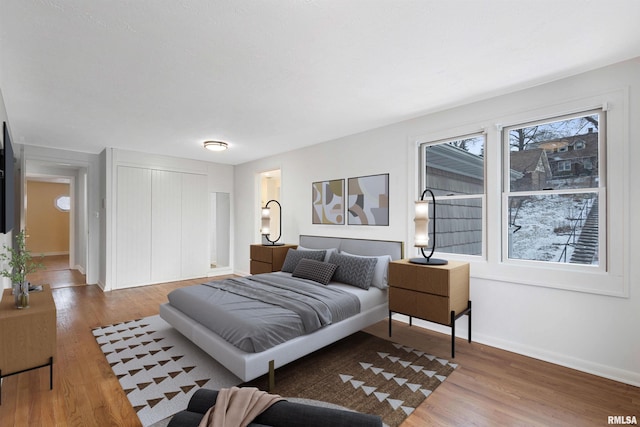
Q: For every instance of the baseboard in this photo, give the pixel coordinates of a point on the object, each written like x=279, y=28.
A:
x=80, y=269
x=220, y=271
x=55, y=253
x=604, y=371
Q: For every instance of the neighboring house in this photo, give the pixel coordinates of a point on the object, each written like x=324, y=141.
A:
x=573, y=160
x=454, y=171
x=533, y=169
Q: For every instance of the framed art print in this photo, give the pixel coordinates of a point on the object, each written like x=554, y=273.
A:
x=368, y=200
x=328, y=202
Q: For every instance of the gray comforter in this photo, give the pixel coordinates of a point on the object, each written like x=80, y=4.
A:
x=258, y=312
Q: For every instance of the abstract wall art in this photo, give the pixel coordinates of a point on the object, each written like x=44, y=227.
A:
x=328, y=202
x=368, y=200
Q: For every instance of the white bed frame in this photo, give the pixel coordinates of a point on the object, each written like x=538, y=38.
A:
x=248, y=366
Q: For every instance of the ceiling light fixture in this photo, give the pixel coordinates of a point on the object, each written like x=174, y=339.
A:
x=216, y=145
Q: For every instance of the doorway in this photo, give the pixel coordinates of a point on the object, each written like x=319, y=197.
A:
x=49, y=219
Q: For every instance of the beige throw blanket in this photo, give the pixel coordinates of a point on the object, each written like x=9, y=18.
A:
x=237, y=407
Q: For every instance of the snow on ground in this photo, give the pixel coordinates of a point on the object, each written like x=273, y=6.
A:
x=538, y=217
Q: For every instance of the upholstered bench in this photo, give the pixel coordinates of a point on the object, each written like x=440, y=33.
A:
x=280, y=414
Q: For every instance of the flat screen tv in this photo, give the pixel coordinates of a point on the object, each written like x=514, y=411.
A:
x=7, y=188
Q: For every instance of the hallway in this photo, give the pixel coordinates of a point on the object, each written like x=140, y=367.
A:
x=56, y=273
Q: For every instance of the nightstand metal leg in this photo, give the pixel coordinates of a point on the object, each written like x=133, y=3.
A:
x=51, y=373
x=390, y=313
x=454, y=317
x=469, y=308
x=453, y=334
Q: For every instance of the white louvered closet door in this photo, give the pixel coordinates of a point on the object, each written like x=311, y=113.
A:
x=133, y=225
x=166, y=226
x=195, y=220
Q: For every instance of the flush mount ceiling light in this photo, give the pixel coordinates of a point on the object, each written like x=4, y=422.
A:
x=216, y=145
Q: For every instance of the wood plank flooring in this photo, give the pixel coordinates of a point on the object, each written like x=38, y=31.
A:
x=490, y=388
x=56, y=272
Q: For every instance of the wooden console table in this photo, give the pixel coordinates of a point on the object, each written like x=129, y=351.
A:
x=436, y=293
x=27, y=336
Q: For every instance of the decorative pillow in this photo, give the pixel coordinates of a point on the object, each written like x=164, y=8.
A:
x=381, y=272
x=293, y=256
x=318, y=271
x=326, y=257
x=353, y=270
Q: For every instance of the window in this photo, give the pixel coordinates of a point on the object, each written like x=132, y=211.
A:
x=579, y=145
x=63, y=203
x=587, y=164
x=564, y=166
x=454, y=170
x=554, y=215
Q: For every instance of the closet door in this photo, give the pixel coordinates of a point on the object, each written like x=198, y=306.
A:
x=195, y=220
x=133, y=226
x=166, y=226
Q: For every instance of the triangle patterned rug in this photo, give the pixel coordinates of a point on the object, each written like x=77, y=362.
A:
x=159, y=370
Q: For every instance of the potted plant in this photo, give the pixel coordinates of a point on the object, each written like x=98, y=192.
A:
x=20, y=264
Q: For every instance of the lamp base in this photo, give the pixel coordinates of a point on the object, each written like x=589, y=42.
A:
x=429, y=261
x=273, y=244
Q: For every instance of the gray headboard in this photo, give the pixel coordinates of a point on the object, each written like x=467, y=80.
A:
x=355, y=246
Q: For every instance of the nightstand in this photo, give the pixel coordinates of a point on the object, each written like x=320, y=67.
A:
x=436, y=293
x=268, y=258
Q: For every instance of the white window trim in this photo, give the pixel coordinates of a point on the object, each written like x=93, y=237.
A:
x=600, y=191
x=615, y=281
x=450, y=137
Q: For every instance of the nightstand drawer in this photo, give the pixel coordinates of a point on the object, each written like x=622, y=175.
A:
x=425, y=306
x=261, y=253
x=412, y=276
x=268, y=258
x=259, y=267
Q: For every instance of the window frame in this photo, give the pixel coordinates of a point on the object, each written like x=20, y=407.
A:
x=600, y=191
x=422, y=180
x=490, y=269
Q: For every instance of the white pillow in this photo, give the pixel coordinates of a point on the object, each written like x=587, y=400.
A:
x=381, y=271
x=328, y=254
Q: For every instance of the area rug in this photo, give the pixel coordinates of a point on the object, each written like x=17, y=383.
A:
x=364, y=373
x=159, y=370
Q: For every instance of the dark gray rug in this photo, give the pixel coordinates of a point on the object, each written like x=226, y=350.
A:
x=366, y=374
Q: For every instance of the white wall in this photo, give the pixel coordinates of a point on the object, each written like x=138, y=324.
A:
x=586, y=331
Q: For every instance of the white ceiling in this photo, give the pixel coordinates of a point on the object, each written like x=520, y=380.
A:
x=161, y=76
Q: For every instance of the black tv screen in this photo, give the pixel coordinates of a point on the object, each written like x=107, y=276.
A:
x=7, y=188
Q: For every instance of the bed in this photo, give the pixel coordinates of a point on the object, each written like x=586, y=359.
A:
x=254, y=362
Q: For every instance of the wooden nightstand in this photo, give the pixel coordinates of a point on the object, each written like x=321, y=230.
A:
x=437, y=293
x=268, y=258
x=27, y=336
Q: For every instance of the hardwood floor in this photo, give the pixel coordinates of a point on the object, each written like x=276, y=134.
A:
x=491, y=387
x=57, y=273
